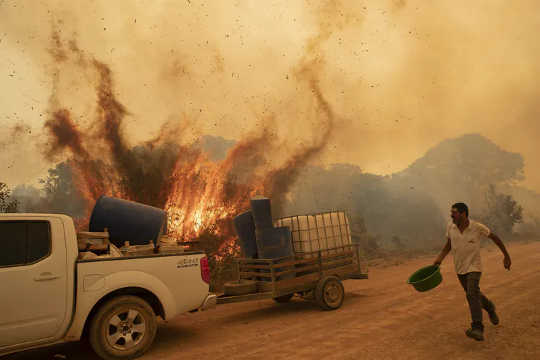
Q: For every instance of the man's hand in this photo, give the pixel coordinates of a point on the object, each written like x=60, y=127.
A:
x=443, y=253
x=507, y=262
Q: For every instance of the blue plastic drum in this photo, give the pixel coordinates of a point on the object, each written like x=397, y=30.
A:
x=127, y=221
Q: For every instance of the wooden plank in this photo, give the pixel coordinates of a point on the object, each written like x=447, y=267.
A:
x=297, y=281
x=274, y=260
x=327, y=253
x=240, y=298
x=265, y=286
x=337, y=255
x=324, y=266
x=309, y=281
x=264, y=267
x=278, y=265
x=341, y=272
x=255, y=274
x=342, y=258
x=312, y=268
x=333, y=256
x=298, y=259
x=325, y=260
x=298, y=270
x=254, y=261
x=344, y=269
x=338, y=263
x=295, y=262
x=292, y=288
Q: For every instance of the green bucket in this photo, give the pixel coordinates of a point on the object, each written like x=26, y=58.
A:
x=426, y=278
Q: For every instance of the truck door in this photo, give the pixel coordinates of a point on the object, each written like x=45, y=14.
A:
x=33, y=286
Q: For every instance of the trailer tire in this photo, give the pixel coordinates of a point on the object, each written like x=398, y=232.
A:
x=329, y=293
x=123, y=328
x=283, y=298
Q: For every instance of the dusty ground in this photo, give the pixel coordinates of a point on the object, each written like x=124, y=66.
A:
x=381, y=318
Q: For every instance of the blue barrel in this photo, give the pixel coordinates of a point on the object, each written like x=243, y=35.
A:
x=262, y=213
x=127, y=221
x=274, y=243
x=245, y=229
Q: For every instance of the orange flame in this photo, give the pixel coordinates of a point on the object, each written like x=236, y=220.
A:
x=200, y=196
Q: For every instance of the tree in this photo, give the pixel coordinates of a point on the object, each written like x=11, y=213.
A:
x=461, y=169
x=379, y=208
x=29, y=198
x=7, y=205
x=61, y=194
x=502, y=212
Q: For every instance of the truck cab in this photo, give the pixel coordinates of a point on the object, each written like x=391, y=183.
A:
x=50, y=295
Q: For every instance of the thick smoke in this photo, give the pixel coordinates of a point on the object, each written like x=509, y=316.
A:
x=407, y=74
x=165, y=171
x=411, y=208
x=398, y=78
x=14, y=135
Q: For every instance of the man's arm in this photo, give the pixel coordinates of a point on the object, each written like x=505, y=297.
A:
x=446, y=249
x=507, y=262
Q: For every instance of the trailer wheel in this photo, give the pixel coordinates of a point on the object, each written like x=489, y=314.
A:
x=283, y=298
x=329, y=293
x=123, y=328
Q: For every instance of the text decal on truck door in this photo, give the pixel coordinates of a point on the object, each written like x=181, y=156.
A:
x=187, y=262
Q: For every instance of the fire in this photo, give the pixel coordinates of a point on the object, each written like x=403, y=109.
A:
x=201, y=197
x=205, y=196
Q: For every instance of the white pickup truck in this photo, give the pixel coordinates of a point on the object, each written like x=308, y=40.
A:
x=48, y=295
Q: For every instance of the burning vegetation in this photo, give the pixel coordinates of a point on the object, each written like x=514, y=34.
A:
x=200, y=195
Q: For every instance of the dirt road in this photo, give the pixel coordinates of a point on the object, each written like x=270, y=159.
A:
x=381, y=318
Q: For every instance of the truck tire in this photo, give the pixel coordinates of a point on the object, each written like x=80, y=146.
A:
x=329, y=293
x=123, y=328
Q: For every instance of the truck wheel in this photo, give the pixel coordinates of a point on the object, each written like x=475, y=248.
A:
x=283, y=299
x=329, y=293
x=123, y=328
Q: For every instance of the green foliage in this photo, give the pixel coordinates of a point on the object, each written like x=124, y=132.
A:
x=60, y=193
x=502, y=212
x=7, y=204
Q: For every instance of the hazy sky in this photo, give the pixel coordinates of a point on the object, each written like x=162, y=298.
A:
x=401, y=75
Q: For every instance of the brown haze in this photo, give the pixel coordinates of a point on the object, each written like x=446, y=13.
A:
x=399, y=76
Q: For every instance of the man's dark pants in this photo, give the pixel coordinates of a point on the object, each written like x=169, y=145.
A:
x=477, y=300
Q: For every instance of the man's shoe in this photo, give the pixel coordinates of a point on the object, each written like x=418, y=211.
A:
x=476, y=334
x=493, y=317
